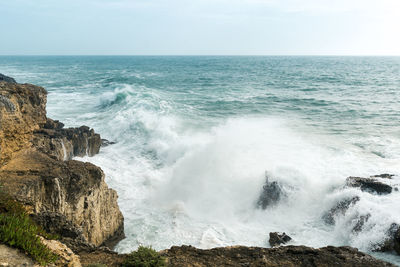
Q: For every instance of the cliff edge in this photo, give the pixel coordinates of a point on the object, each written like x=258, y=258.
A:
x=66, y=197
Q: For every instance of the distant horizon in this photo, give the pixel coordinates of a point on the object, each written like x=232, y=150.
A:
x=198, y=55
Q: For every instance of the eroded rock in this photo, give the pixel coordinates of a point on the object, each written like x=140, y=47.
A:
x=392, y=243
x=70, y=197
x=292, y=256
x=339, y=209
x=4, y=78
x=370, y=185
x=277, y=239
x=272, y=193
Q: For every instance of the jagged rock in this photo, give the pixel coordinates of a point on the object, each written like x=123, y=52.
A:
x=4, y=78
x=271, y=194
x=392, y=243
x=384, y=176
x=370, y=185
x=105, y=142
x=361, y=220
x=64, y=144
x=340, y=208
x=292, y=256
x=66, y=256
x=277, y=239
x=14, y=258
x=22, y=111
x=32, y=148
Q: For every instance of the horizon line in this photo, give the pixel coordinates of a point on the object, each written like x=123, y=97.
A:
x=201, y=55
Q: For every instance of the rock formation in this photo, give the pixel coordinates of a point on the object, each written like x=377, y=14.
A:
x=281, y=256
x=371, y=185
x=65, y=196
x=271, y=194
x=277, y=239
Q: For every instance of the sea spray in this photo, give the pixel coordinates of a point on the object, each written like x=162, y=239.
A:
x=195, y=135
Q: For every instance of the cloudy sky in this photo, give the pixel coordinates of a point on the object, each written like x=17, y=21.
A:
x=200, y=27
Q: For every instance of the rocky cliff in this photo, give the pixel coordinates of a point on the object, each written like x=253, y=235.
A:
x=65, y=196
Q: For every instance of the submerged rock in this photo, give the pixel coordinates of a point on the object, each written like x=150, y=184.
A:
x=271, y=194
x=392, y=243
x=188, y=256
x=105, y=142
x=277, y=239
x=339, y=209
x=4, y=78
x=370, y=185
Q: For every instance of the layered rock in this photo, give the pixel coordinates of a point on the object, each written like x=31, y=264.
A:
x=280, y=256
x=65, y=196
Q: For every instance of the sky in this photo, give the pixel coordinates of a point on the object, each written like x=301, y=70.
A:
x=200, y=27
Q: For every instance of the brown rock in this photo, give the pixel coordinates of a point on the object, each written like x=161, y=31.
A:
x=65, y=255
x=289, y=256
x=70, y=197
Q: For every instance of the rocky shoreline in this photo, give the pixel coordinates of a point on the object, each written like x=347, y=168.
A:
x=71, y=199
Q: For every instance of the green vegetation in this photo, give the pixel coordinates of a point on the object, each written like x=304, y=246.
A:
x=96, y=265
x=144, y=257
x=18, y=230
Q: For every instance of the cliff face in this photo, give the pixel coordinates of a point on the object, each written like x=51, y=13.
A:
x=65, y=196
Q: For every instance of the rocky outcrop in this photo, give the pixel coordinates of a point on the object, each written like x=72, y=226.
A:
x=64, y=144
x=339, y=209
x=276, y=239
x=4, y=78
x=65, y=256
x=392, y=243
x=271, y=194
x=280, y=256
x=22, y=111
x=65, y=196
x=14, y=258
x=371, y=185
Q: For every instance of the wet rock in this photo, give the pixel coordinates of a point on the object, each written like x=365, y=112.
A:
x=360, y=223
x=271, y=194
x=64, y=144
x=276, y=239
x=392, y=243
x=339, y=209
x=189, y=256
x=4, y=78
x=384, y=176
x=370, y=185
x=105, y=142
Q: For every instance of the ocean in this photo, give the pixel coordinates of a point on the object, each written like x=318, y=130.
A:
x=196, y=137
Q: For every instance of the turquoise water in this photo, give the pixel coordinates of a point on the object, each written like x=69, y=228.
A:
x=195, y=136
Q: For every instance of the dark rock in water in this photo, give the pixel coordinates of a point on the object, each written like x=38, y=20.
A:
x=384, y=176
x=392, y=243
x=340, y=208
x=370, y=185
x=290, y=256
x=277, y=239
x=360, y=223
x=105, y=142
x=4, y=78
x=271, y=194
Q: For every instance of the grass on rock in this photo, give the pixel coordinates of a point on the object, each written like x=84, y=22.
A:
x=144, y=257
x=19, y=231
